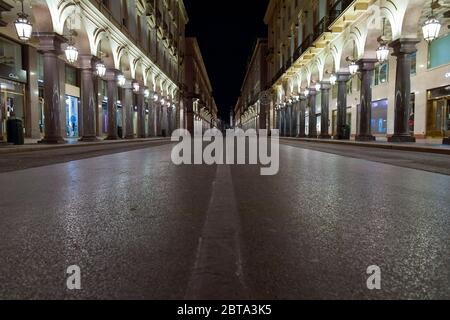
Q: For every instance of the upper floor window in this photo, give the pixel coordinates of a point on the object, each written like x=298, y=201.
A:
x=381, y=74
x=439, y=54
x=10, y=53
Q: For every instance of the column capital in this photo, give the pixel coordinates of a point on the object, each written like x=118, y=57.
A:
x=87, y=61
x=366, y=64
x=312, y=92
x=404, y=46
x=343, y=76
x=111, y=74
x=50, y=42
x=325, y=85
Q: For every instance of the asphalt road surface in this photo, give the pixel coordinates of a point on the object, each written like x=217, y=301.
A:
x=140, y=227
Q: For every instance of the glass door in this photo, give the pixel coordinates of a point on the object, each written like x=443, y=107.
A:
x=438, y=118
x=12, y=101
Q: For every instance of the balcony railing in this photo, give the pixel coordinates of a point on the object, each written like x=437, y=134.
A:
x=278, y=75
x=321, y=27
x=288, y=64
x=303, y=47
x=338, y=8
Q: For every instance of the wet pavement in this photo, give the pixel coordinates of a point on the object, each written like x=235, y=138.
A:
x=141, y=228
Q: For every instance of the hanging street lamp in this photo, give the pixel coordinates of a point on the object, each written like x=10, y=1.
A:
x=136, y=86
x=71, y=51
x=353, y=66
x=24, y=28
x=101, y=69
x=383, y=49
x=121, y=80
x=333, y=79
x=431, y=28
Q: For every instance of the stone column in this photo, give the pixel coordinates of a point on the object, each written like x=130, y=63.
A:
x=189, y=116
x=312, y=114
x=128, y=109
x=279, y=121
x=30, y=59
x=292, y=125
x=2, y=115
x=288, y=120
x=159, y=114
x=88, y=104
x=341, y=121
x=403, y=48
x=111, y=77
x=302, y=119
x=325, y=110
x=151, y=119
x=141, y=111
x=50, y=46
x=366, y=66
x=283, y=121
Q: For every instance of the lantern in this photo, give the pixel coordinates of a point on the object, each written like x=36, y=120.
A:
x=431, y=28
x=24, y=28
x=101, y=69
x=121, y=80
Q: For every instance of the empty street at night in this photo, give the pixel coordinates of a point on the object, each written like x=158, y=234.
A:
x=140, y=227
x=224, y=158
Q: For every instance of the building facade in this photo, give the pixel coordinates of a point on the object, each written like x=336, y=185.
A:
x=359, y=68
x=252, y=108
x=93, y=68
x=200, y=106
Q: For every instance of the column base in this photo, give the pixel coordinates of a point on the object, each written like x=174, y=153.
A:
x=112, y=138
x=401, y=138
x=325, y=136
x=312, y=136
x=365, y=138
x=89, y=139
x=339, y=137
x=446, y=141
x=57, y=140
x=302, y=136
x=129, y=137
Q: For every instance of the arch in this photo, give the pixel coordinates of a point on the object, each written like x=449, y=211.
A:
x=374, y=29
x=329, y=64
x=43, y=14
x=124, y=65
x=81, y=35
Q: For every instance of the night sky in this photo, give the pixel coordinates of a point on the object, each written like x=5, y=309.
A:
x=226, y=31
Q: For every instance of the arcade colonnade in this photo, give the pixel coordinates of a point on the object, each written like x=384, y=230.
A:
x=359, y=69
x=122, y=80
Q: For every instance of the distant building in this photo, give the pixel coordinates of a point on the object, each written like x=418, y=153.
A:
x=252, y=110
x=200, y=111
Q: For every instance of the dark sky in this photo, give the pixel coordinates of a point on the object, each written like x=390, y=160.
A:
x=226, y=31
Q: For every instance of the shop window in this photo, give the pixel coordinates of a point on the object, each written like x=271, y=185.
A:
x=10, y=53
x=413, y=57
x=71, y=76
x=40, y=67
x=412, y=113
x=381, y=74
x=379, y=116
x=438, y=52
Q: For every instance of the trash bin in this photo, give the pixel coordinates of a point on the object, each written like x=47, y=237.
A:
x=164, y=134
x=14, y=131
x=120, y=132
